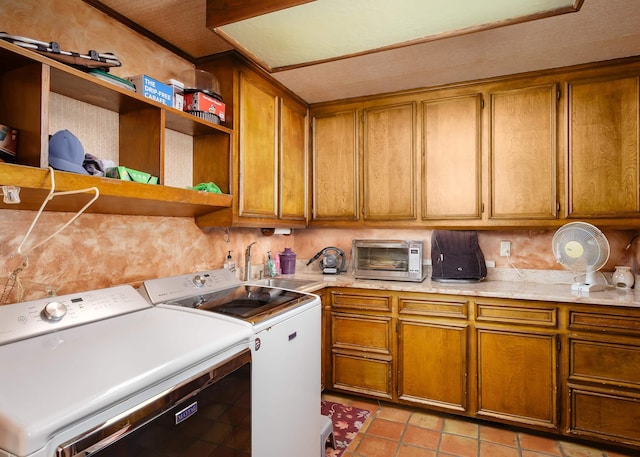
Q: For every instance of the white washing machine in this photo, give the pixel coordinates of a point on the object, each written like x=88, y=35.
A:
x=286, y=355
x=105, y=372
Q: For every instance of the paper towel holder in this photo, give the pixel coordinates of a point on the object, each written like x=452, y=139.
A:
x=276, y=231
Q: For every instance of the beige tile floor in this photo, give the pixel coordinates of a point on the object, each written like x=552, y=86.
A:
x=397, y=431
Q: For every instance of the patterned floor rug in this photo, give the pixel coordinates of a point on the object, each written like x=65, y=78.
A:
x=347, y=421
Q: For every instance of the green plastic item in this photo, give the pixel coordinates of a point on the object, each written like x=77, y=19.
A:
x=207, y=187
x=129, y=174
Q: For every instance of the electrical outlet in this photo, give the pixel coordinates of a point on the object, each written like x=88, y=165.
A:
x=505, y=248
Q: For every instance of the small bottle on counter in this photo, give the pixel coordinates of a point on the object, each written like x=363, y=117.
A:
x=276, y=261
x=271, y=266
x=229, y=264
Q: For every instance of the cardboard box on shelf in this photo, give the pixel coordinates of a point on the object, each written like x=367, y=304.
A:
x=178, y=93
x=153, y=89
x=199, y=101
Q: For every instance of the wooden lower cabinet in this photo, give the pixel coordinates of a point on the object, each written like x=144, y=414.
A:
x=567, y=369
x=432, y=352
x=432, y=362
x=517, y=361
x=603, y=388
x=517, y=377
x=361, y=374
x=362, y=343
x=607, y=415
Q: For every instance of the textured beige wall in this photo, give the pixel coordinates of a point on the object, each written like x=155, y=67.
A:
x=529, y=249
x=79, y=27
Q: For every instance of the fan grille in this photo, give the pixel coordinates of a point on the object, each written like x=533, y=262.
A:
x=579, y=246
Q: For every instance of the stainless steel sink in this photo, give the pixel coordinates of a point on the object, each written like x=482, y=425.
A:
x=287, y=283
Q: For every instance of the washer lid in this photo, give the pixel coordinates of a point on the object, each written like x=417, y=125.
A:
x=53, y=380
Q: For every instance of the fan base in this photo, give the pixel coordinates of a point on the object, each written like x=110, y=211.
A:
x=588, y=287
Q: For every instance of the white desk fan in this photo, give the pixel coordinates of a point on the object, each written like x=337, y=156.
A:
x=581, y=247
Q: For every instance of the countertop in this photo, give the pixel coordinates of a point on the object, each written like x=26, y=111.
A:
x=514, y=289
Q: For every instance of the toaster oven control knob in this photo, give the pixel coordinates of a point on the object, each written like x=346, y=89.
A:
x=54, y=311
x=199, y=281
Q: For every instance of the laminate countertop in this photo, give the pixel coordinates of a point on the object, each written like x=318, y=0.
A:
x=513, y=289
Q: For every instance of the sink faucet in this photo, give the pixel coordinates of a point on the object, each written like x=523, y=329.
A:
x=634, y=260
x=247, y=262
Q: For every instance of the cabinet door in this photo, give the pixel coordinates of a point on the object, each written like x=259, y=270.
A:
x=293, y=161
x=517, y=377
x=523, y=153
x=389, y=163
x=258, y=148
x=603, y=148
x=335, y=166
x=362, y=354
x=432, y=360
x=451, y=170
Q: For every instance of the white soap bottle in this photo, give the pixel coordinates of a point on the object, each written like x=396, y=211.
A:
x=229, y=264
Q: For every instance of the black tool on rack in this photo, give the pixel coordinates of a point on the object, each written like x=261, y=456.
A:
x=93, y=59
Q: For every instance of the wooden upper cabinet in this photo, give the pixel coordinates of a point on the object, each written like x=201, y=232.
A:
x=451, y=158
x=335, y=166
x=258, y=148
x=389, y=162
x=603, y=147
x=523, y=153
x=269, y=159
x=293, y=161
x=550, y=147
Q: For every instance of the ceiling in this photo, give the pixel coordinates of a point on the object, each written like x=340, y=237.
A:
x=323, y=30
x=600, y=30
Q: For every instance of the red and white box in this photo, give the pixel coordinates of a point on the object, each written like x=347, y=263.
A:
x=198, y=101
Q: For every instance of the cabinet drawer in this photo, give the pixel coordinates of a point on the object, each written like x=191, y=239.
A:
x=362, y=375
x=361, y=333
x=604, y=363
x=545, y=316
x=361, y=302
x=604, y=415
x=434, y=307
x=604, y=323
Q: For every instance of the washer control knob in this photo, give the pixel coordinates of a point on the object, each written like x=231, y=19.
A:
x=54, y=311
x=199, y=281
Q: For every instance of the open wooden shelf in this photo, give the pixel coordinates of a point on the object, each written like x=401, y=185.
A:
x=26, y=80
x=116, y=197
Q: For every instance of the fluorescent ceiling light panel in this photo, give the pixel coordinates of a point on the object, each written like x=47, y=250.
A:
x=329, y=29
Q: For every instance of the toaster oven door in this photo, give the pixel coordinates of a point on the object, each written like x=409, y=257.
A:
x=388, y=260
